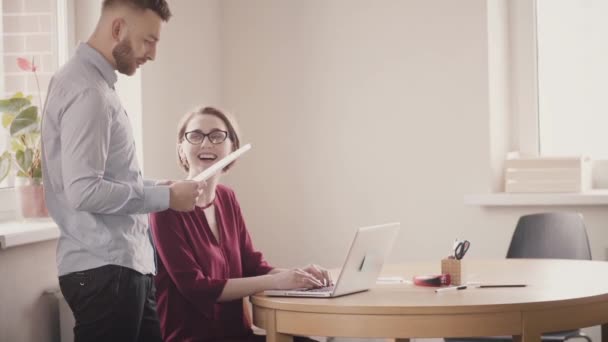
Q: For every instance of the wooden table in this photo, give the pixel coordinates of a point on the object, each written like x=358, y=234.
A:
x=561, y=295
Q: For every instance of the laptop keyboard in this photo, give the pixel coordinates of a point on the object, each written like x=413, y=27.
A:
x=322, y=289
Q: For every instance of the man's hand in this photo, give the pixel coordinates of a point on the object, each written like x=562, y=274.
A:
x=183, y=195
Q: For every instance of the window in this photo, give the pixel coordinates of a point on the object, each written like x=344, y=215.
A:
x=558, y=80
x=562, y=44
x=30, y=29
x=572, y=77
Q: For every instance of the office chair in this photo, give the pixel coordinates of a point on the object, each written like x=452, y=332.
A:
x=559, y=235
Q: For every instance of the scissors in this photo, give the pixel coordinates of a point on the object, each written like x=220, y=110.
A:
x=461, y=249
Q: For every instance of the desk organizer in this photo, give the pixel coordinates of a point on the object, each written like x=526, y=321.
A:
x=453, y=267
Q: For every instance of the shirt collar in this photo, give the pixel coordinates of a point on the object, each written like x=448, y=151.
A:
x=106, y=70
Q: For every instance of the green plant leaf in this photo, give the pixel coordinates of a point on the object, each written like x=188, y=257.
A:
x=25, y=122
x=32, y=139
x=7, y=118
x=13, y=105
x=17, y=145
x=24, y=160
x=21, y=174
x=5, y=165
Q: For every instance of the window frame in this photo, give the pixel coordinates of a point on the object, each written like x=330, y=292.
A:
x=525, y=76
x=7, y=195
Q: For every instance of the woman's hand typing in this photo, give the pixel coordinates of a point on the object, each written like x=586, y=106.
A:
x=320, y=273
x=295, y=278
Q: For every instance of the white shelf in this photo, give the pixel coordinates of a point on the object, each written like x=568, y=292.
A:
x=595, y=197
x=16, y=233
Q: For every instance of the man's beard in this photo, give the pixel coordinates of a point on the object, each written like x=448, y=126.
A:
x=123, y=55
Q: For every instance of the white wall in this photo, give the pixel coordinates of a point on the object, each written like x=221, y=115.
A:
x=27, y=314
x=360, y=113
x=186, y=73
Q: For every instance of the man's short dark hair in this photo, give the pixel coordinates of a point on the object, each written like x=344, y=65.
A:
x=159, y=7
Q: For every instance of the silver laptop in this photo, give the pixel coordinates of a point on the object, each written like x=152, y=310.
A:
x=363, y=264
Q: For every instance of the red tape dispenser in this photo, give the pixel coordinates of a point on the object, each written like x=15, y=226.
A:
x=432, y=280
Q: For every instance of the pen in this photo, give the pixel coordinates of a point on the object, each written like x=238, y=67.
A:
x=451, y=288
x=501, y=285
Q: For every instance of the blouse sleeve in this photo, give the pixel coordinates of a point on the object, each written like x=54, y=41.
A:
x=253, y=262
x=176, y=255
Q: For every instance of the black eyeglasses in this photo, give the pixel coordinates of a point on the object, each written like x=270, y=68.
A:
x=197, y=137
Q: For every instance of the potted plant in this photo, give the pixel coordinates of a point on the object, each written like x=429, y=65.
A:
x=22, y=120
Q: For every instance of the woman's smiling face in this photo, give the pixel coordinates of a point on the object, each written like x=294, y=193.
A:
x=206, y=140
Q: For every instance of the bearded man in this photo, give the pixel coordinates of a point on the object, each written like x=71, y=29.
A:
x=93, y=185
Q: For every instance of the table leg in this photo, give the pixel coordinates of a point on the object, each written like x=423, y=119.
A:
x=272, y=335
x=605, y=332
x=528, y=336
x=278, y=337
x=530, y=331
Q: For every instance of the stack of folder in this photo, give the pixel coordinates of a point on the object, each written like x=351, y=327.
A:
x=547, y=174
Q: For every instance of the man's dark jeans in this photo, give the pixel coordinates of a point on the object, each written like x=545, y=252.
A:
x=112, y=303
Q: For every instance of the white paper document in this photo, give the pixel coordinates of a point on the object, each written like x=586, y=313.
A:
x=220, y=165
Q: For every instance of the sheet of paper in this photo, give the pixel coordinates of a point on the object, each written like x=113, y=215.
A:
x=221, y=164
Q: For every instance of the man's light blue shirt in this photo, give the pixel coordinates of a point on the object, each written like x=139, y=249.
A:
x=93, y=184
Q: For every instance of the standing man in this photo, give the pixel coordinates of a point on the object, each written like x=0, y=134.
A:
x=94, y=188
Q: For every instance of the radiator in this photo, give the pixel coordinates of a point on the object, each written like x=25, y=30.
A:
x=66, y=318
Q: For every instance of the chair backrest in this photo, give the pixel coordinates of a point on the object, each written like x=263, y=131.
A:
x=559, y=235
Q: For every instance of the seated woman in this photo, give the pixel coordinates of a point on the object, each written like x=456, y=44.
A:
x=207, y=263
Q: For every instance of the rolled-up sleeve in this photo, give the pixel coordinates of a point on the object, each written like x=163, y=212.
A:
x=178, y=259
x=85, y=139
x=156, y=198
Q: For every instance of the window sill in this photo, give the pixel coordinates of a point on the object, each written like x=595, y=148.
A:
x=17, y=233
x=594, y=197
